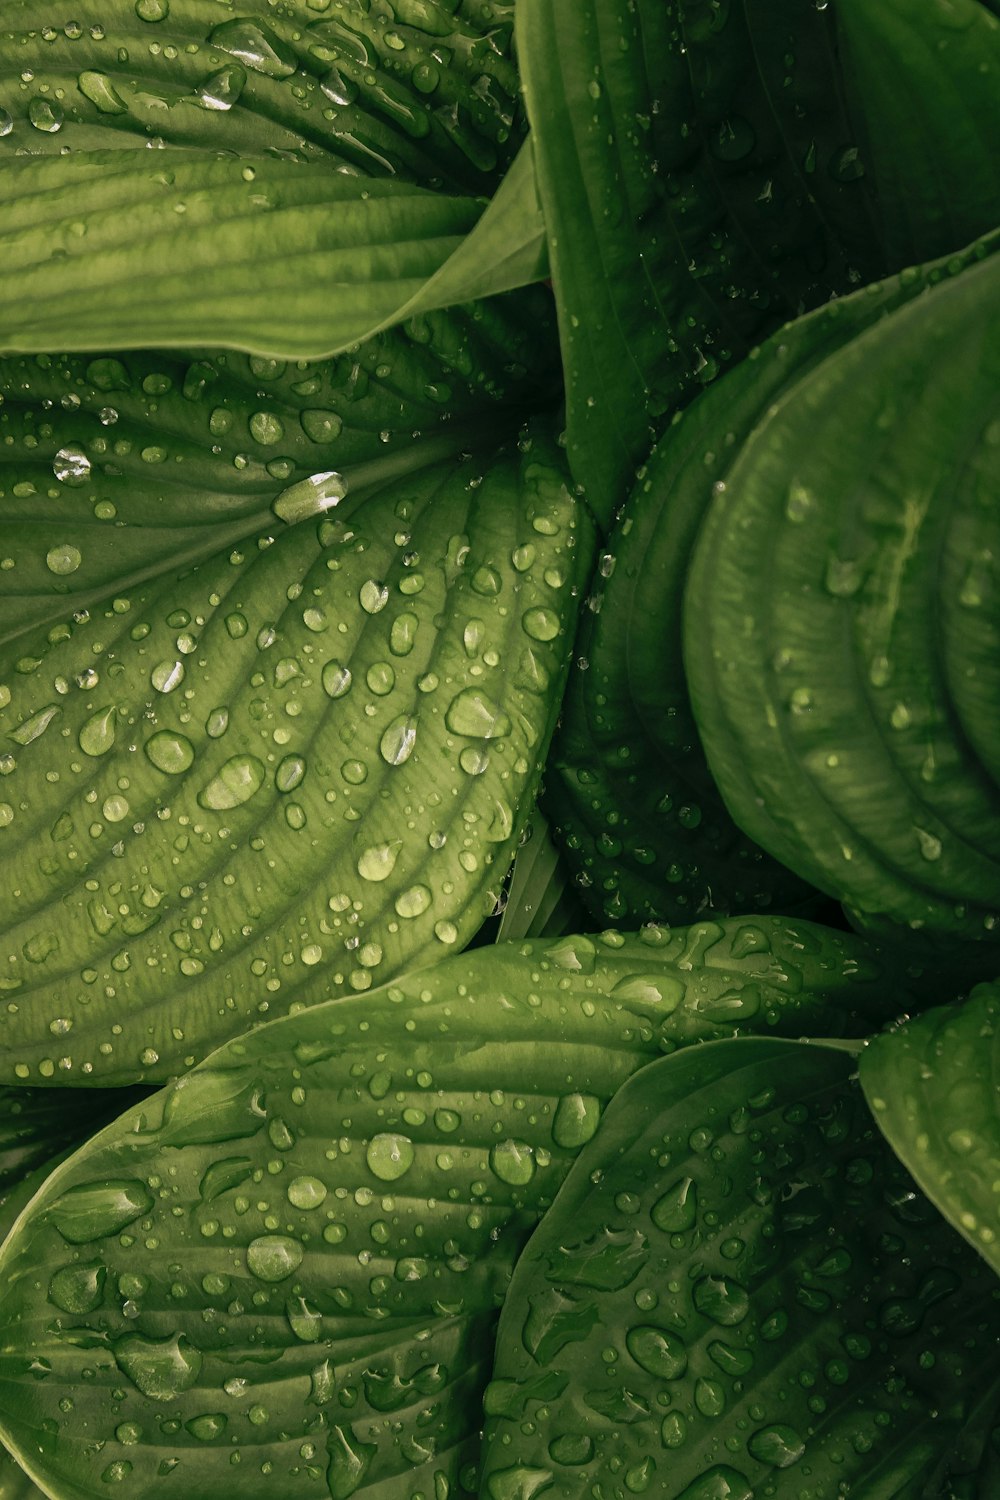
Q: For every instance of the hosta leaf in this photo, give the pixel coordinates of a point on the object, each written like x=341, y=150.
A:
x=185, y=250
x=934, y=1086
x=295, y=1254
x=14, y=1483
x=848, y=712
x=540, y=900
x=113, y=470
x=414, y=89
x=36, y=1124
x=295, y=769
x=708, y=171
x=628, y=789
x=734, y=1294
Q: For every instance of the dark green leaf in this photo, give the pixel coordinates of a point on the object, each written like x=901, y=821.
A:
x=934, y=1086
x=295, y=1253
x=294, y=770
x=734, y=1294
x=708, y=171
x=540, y=899
x=416, y=89
x=628, y=789
x=114, y=470
x=840, y=610
x=36, y=1124
x=14, y=1483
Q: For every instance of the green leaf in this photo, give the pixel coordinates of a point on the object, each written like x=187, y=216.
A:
x=14, y=1483
x=925, y=82
x=540, y=900
x=934, y=1087
x=185, y=251
x=733, y=1294
x=36, y=1124
x=709, y=171
x=839, y=613
x=289, y=772
x=412, y=90
x=296, y=1252
x=628, y=789
x=114, y=470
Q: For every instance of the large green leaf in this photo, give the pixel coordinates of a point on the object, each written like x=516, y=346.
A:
x=628, y=788
x=418, y=90
x=114, y=470
x=293, y=770
x=36, y=1124
x=841, y=610
x=119, y=249
x=734, y=1294
x=709, y=170
x=934, y=1086
x=291, y=1259
x=14, y=1483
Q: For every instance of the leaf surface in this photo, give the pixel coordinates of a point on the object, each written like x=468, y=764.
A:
x=296, y=1252
x=291, y=771
x=733, y=1294
x=848, y=711
x=934, y=1087
x=708, y=172
x=414, y=90
x=631, y=796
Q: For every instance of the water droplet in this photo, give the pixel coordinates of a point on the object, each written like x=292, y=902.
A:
x=930, y=846
x=349, y=1461
x=373, y=596
x=306, y=1192
x=446, y=932
x=152, y=10
x=273, y=1257
x=93, y=1210
x=256, y=45
x=396, y=744
x=207, y=1427
x=389, y=1156
x=650, y=989
x=97, y=734
x=222, y=90
x=379, y=861
x=336, y=679
x=414, y=902
x=576, y=1119
x=167, y=675
x=290, y=773
x=45, y=114
x=161, y=1369
x=723, y=1300
x=71, y=465
x=717, y=1483
x=541, y=624
x=239, y=779
x=513, y=1162
x=403, y=634
x=657, y=1351
x=98, y=88
x=169, y=752
x=78, y=1289
x=310, y=497
x=777, y=1445
x=475, y=715
x=321, y=426
x=677, y=1210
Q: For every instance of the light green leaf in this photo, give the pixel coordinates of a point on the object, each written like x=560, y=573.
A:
x=114, y=470
x=734, y=1294
x=294, y=770
x=709, y=171
x=413, y=89
x=295, y=1253
x=181, y=251
x=934, y=1087
x=628, y=789
x=14, y=1482
x=848, y=708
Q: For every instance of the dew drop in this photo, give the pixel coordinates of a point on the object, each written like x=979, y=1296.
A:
x=396, y=744
x=389, y=1156
x=541, y=624
x=336, y=679
x=677, y=1210
x=414, y=902
x=513, y=1162
x=239, y=779
x=273, y=1257
x=45, y=115
x=576, y=1119
x=169, y=752
x=97, y=734
x=152, y=10
x=71, y=465
x=657, y=1351
x=93, y=1210
x=310, y=497
x=778, y=1445
x=473, y=714
x=161, y=1369
x=379, y=861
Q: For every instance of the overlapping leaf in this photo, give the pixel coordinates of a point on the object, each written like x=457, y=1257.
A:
x=293, y=770
x=708, y=171
x=287, y=1265
x=415, y=89
x=848, y=707
x=115, y=469
x=734, y=1294
x=628, y=788
x=934, y=1086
